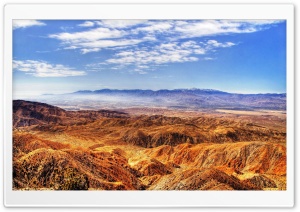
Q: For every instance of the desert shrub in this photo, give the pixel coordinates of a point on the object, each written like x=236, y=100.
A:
x=70, y=179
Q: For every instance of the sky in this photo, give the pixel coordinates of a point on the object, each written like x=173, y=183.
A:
x=63, y=56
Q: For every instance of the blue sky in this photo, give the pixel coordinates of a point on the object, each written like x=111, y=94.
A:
x=61, y=56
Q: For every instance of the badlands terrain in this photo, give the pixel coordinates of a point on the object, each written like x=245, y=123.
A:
x=148, y=148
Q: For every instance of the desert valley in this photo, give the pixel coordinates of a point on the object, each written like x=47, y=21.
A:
x=150, y=140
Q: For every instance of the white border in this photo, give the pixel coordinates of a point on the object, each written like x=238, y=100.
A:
x=147, y=198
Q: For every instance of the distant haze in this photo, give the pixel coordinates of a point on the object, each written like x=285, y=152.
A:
x=186, y=99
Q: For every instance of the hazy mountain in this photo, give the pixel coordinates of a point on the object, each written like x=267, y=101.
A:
x=161, y=92
x=187, y=98
x=183, y=99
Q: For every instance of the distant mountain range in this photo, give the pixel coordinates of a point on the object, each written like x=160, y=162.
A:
x=189, y=98
x=192, y=91
x=161, y=92
x=186, y=99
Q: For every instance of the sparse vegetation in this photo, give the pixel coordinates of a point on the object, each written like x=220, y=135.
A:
x=70, y=179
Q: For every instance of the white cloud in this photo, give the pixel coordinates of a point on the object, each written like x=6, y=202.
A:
x=94, y=40
x=165, y=53
x=214, y=43
x=208, y=58
x=71, y=47
x=107, y=43
x=84, y=51
x=142, y=66
x=153, y=27
x=66, y=28
x=120, y=23
x=187, y=29
x=125, y=53
x=200, y=51
x=143, y=44
x=259, y=22
x=87, y=24
x=44, y=69
x=120, y=67
x=95, y=67
x=149, y=38
x=26, y=23
x=189, y=44
x=117, y=34
x=90, y=35
x=140, y=71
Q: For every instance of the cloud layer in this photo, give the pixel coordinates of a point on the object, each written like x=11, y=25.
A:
x=173, y=52
x=44, y=69
x=26, y=23
x=140, y=44
x=115, y=33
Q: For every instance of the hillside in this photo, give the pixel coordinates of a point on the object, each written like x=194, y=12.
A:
x=113, y=150
x=27, y=113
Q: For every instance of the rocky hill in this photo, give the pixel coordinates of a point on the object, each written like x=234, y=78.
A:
x=110, y=150
x=26, y=113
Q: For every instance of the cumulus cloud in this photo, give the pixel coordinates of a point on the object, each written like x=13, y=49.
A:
x=26, y=23
x=44, y=69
